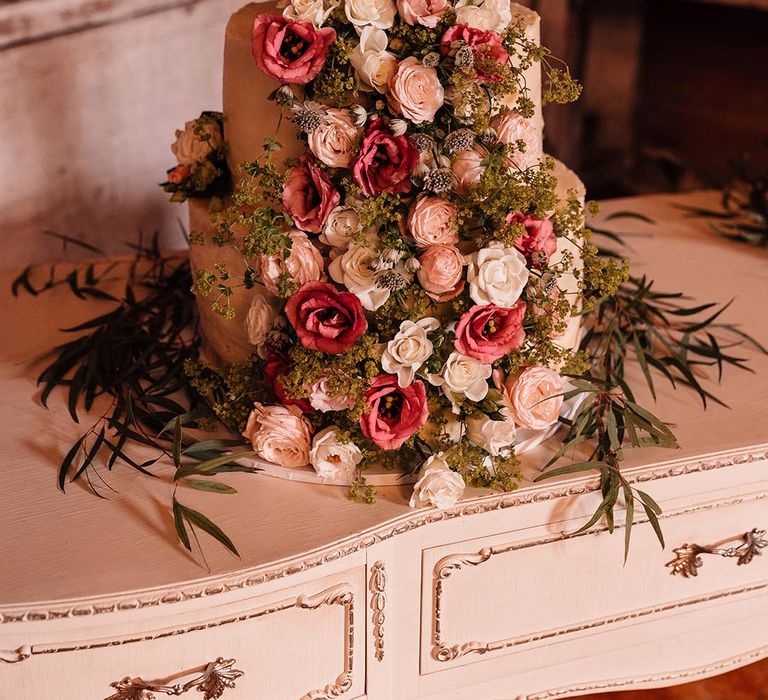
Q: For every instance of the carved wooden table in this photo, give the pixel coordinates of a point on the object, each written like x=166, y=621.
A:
x=490, y=599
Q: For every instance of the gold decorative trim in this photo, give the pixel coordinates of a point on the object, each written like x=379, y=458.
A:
x=341, y=594
x=686, y=676
x=378, y=586
x=534, y=494
x=450, y=564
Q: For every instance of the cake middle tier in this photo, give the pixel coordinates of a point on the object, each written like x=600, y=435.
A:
x=250, y=118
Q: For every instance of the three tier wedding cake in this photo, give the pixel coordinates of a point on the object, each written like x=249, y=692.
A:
x=388, y=266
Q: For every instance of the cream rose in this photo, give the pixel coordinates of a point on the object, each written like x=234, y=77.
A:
x=303, y=264
x=333, y=459
x=427, y=13
x=468, y=168
x=377, y=13
x=534, y=397
x=409, y=350
x=279, y=434
x=437, y=485
x=440, y=273
x=321, y=400
x=354, y=270
x=373, y=64
x=461, y=377
x=415, y=91
x=512, y=128
x=493, y=436
x=258, y=321
x=433, y=221
x=497, y=275
x=340, y=228
x=484, y=14
x=335, y=142
x=196, y=142
x=313, y=11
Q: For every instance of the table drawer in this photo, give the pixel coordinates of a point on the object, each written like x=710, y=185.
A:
x=299, y=642
x=487, y=597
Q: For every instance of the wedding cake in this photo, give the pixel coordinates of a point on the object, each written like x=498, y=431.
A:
x=378, y=236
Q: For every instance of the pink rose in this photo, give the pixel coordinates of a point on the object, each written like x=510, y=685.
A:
x=323, y=401
x=539, y=243
x=534, y=397
x=486, y=45
x=415, y=91
x=290, y=51
x=277, y=366
x=441, y=268
x=279, y=434
x=427, y=13
x=490, y=332
x=433, y=221
x=303, y=264
x=385, y=161
x=309, y=196
x=395, y=412
x=336, y=140
x=468, y=168
x=511, y=128
x=326, y=319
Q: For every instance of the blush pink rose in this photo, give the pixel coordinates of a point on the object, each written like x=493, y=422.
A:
x=433, y=221
x=539, y=243
x=490, y=332
x=385, y=161
x=468, y=168
x=427, y=13
x=309, y=196
x=303, y=264
x=279, y=434
x=484, y=43
x=288, y=50
x=512, y=128
x=322, y=400
x=415, y=91
x=441, y=271
x=336, y=140
x=395, y=413
x=276, y=366
x=534, y=397
x=326, y=319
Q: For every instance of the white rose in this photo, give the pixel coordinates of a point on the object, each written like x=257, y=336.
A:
x=409, y=350
x=415, y=91
x=196, y=142
x=340, y=227
x=495, y=15
x=303, y=264
x=377, y=13
x=437, y=485
x=497, y=275
x=494, y=436
x=334, y=460
x=374, y=65
x=335, y=142
x=279, y=434
x=353, y=270
x=258, y=321
x=313, y=11
x=463, y=376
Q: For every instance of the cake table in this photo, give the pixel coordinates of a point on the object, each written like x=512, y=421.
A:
x=490, y=599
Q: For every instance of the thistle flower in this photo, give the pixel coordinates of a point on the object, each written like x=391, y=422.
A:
x=308, y=116
x=423, y=142
x=431, y=60
x=391, y=280
x=459, y=140
x=439, y=180
x=284, y=95
x=488, y=137
x=465, y=57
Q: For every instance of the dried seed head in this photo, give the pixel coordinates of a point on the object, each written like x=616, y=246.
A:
x=391, y=280
x=423, y=142
x=459, y=140
x=431, y=60
x=284, y=95
x=465, y=57
x=439, y=180
x=308, y=116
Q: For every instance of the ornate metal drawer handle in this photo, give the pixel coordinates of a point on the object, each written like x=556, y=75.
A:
x=213, y=679
x=687, y=561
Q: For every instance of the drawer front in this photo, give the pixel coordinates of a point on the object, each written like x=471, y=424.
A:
x=300, y=642
x=487, y=597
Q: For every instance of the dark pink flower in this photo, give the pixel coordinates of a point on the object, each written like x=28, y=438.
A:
x=290, y=51
x=539, y=242
x=395, y=412
x=488, y=333
x=309, y=196
x=484, y=43
x=326, y=319
x=385, y=161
